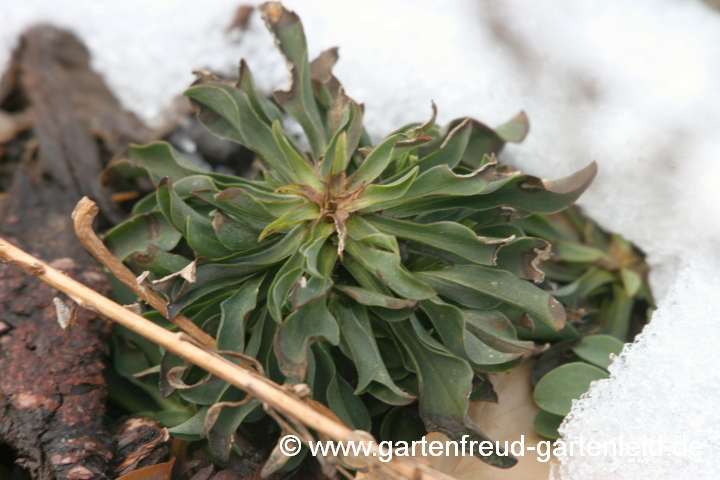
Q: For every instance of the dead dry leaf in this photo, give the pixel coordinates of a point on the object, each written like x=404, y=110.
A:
x=161, y=471
x=508, y=419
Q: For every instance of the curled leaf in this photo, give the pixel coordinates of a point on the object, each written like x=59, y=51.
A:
x=298, y=100
x=66, y=316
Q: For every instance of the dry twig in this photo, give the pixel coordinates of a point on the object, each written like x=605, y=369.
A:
x=272, y=395
x=83, y=216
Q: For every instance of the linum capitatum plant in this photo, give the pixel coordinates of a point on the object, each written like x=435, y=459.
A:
x=375, y=274
x=601, y=279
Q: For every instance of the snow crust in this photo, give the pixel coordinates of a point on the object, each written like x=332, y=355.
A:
x=632, y=85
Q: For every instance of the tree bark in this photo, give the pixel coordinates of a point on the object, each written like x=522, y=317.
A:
x=52, y=390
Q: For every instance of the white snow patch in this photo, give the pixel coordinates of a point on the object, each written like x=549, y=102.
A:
x=663, y=393
x=633, y=85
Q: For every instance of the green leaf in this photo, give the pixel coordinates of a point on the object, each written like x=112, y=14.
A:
x=364, y=277
x=619, y=313
x=301, y=171
x=197, y=228
x=192, y=429
x=260, y=105
x=596, y=349
x=369, y=281
x=450, y=237
x=184, y=295
x=218, y=112
x=128, y=360
x=543, y=227
x=338, y=146
x=205, y=393
x=157, y=160
x=450, y=324
x=139, y=232
x=299, y=99
x=522, y=257
x=556, y=390
x=241, y=205
x=299, y=330
x=546, y=424
x=341, y=155
x=235, y=311
x=145, y=205
x=632, y=281
x=592, y=279
x=363, y=231
x=500, y=286
x=436, y=183
x=443, y=397
x=184, y=187
x=523, y=192
x=340, y=394
x=577, y=252
x=220, y=437
x=334, y=391
x=465, y=295
x=340, y=107
x=375, y=299
x=159, y=262
x=441, y=180
x=312, y=248
x=378, y=160
x=387, y=267
x=301, y=213
x=381, y=194
x=306, y=291
x=204, y=243
x=231, y=233
x=542, y=333
x=485, y=140
x=401, y=425
x=228, y=113
x=514, y=130
x=230, y=270
x=358, y=334
x=451, y=151
x=483, y=390
x=283, y=283
x=261, y=336
x=536, y=195
x=497, y=332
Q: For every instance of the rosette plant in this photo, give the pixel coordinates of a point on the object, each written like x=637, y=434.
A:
x=601, y=279
x=373, y=273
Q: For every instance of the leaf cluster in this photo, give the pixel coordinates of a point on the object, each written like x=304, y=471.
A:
x=384, y=276
x=601, y=279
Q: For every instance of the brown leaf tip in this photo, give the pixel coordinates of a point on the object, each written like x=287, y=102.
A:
x=558, y=313
x=578, y=181
x=276, y=15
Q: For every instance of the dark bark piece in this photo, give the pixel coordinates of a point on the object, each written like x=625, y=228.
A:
x=77, y=122
x=52, y=390
x=139, y=443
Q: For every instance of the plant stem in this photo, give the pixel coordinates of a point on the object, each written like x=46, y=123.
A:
x=272, y=395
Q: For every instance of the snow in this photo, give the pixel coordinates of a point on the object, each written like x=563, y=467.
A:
x=663, y=388
x=632, y=85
